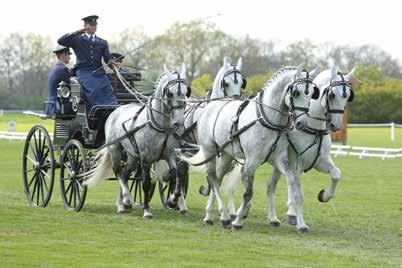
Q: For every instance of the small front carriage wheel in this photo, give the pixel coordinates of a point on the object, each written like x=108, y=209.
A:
x=73, y=165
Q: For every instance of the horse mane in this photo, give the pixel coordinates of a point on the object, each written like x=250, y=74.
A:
x=278, y=74
x=162, y=79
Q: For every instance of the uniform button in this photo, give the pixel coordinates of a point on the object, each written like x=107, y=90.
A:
x=92, y=57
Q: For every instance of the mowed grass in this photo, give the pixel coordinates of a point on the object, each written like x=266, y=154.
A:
x=362, y=226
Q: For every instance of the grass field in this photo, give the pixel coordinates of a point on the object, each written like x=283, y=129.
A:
x=361, y=227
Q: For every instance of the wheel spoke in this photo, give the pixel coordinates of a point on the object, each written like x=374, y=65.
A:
x=41, y=189
x=78, y=190
x=68, y=188
x=68, y=168
x=29, y=170
x=33, y=178
x=33, y=150
x=45, y=183
x=30, y=159
x=36, y=146
x=71, y=193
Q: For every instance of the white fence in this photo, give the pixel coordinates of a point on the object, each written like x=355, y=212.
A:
x=336, y=150
x=392, y=127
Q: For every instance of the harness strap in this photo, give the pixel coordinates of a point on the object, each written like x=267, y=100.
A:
x=263, y=119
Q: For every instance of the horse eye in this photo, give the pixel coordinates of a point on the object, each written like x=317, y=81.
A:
x=169, y=94
x=332, y=95
x=296, y=93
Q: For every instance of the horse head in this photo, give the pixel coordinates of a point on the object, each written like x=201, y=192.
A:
x=336, y=92
x=298, y=95
x=230, y=81
x=171, y=91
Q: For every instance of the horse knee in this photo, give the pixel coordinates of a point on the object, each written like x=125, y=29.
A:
x=335, y=173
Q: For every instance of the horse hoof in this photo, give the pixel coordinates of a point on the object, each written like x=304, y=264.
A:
x=321, y=196
x=208, y=222
x=123, y=211
x=233, y=217
x=147, y=217
x=183, y=212
x=236, y=227
x=275, y=223
x=204, y=190
x=303, y=230
x=226, y=224
x=128, y=206
x=171, y=205
x=292, y=220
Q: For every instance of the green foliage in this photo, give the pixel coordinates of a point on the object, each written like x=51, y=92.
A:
x=201, y=85
x=255, y=83
x=378, y=99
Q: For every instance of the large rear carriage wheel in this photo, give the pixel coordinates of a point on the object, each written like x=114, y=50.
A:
x=73, y=164
x=38, y=167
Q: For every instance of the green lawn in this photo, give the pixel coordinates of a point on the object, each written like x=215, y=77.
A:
x=362, y=227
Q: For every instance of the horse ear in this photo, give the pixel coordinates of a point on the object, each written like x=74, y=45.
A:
x=225, y=61
x=299, y=70
x=239, y=64
x=314, y=73
x=166, y=69
x=183, y=71
x=334, y=72
x=350, y=74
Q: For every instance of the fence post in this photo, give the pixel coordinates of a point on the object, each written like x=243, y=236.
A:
x=1, y=112
x=392, y=131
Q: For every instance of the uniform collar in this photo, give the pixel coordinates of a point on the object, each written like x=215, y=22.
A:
x=89, y=35
x=60, y=62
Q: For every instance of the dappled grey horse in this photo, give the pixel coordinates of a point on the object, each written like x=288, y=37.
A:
x=143, y=131
x=310, y=147
x=252, y=130
x=229, y=83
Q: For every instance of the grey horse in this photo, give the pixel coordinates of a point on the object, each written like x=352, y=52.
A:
x=252, y=132
x=146, y=130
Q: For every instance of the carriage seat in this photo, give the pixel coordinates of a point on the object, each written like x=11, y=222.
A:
x=97, y=116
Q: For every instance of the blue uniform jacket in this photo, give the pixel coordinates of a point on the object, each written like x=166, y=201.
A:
x=59, y=72
x=97, y=87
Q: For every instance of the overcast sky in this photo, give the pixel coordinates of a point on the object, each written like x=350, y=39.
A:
x=352, y=22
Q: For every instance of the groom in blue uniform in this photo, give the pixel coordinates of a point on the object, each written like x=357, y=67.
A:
x=90, y=50
x=58, y=73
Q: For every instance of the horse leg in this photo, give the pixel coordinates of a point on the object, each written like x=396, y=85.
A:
x=146, y=187
x=282, y=164
x=248, y=176
x=122, y=204
x=182, y=174
x=209, y=218
x=302, y=227
x=272, y=218
x=213, y=181
x=224, y=164
x=326, y=165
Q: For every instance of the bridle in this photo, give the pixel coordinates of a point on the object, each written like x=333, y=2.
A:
x=290, y=90
x=167, y=95
x=292, y=94
x=225, y=85
x=328, y=91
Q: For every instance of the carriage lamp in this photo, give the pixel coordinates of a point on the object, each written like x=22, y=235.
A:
x=63, y=90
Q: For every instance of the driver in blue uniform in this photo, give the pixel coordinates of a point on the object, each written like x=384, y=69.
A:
x=90, y=50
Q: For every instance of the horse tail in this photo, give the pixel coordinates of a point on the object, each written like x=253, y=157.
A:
x=161, y=171
x=232, y=178
x=197, y=160
x=102, y=169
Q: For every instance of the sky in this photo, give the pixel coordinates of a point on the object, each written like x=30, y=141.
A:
x=344, y=22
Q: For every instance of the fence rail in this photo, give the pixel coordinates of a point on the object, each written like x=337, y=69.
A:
x=336, y=150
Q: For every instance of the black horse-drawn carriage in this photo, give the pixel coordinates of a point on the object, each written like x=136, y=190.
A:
x=77, y=132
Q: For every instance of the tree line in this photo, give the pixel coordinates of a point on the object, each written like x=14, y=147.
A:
x=25, y=60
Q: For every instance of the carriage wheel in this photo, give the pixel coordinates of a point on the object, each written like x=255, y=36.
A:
x=73, y=163
x=136, y=190
x=166, y=188
x=38, y=167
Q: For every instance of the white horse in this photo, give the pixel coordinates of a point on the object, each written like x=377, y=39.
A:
x=144, y=132
x=229, y=83
x=252, y=132
x=310, y=148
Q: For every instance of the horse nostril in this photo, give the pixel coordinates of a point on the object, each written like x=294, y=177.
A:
x=299, y=125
